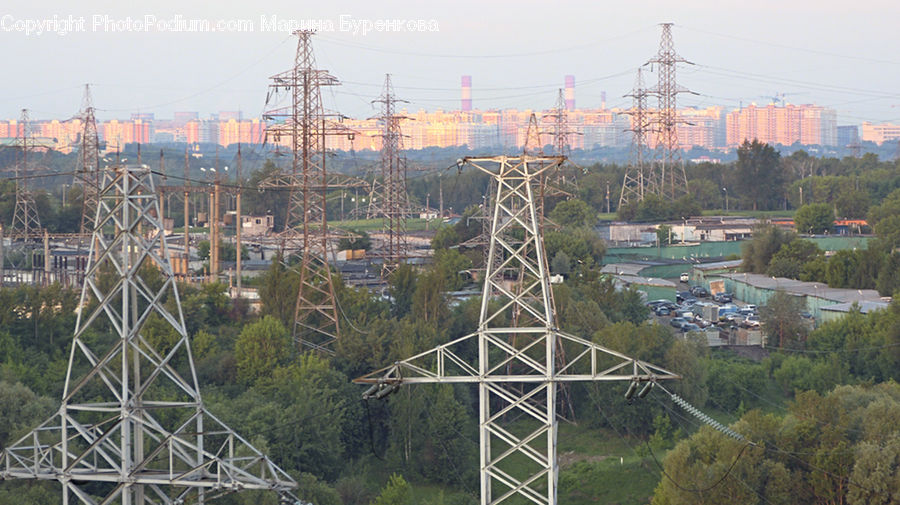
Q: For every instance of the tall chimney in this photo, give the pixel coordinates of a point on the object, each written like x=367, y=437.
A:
x=466, y=93
x=603, y=100
x=570, y=92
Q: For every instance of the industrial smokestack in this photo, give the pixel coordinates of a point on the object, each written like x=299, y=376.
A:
x=466, y=93
x=603, y=100
x=570, y=92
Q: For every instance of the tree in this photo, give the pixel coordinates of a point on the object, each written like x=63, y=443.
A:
x=760, y=177
x=791, y=258
x=707, y=193
x=574, y=212
x=782, y=322
x=402, y=288
x=665, y=235
x=278, y=291
x=561, y=263
x=20, y=410
x=814, y=218
x=359, y=240
x=260, y=348
x=396, y=492
x=767, y=240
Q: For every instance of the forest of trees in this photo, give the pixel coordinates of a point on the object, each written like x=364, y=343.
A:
x=303, y=411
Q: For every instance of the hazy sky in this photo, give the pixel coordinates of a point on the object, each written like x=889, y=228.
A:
x=835, y=53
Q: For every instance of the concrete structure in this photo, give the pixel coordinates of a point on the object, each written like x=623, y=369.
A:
x=570, y=93
x=257, y=225
x=466, y=102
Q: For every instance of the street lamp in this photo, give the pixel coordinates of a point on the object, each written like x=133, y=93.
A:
x=726, y=199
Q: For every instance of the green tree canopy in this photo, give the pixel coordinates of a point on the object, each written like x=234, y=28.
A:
x=260, y=348
x=759, y=174
x=814, y=218
x=574, y=212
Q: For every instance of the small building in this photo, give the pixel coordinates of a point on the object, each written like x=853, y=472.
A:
x=257, y=225
x=839, y=310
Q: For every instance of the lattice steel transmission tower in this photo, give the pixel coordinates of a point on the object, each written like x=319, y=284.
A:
x=88, y=173
x=26, y=223
x=132, y=428
x=560, y=181
x=516, y=366
x=394, y=200
x=667, y=156
x=639, y=179
x=533, y=143
x=562, y=132
x=316, y=321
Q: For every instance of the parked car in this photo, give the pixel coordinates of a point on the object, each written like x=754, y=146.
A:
x=751, y=322
x=685, y=277
x=746, y=311
x=689, y=327
x=662, y=310
x=722, y=298
x=682, y=295
x=677, y=322
x=699, y=292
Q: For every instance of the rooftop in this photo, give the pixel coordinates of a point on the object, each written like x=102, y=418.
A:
x=802, y=288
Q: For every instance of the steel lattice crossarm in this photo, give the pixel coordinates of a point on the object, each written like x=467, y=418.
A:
x=451, y=363
x=132, y=427
x=519, y=368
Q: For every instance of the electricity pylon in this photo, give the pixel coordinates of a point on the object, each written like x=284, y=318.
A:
x=638, y=179
x=26, y=223
x=670, y=170
x=132, y=428
x=88, y=173
x=393, y=202
x=516, y=366
x=561, y=181
x=316, y=321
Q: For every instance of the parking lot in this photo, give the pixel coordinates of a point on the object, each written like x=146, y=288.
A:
x=695, y=309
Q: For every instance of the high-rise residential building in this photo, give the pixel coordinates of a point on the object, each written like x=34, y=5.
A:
x=847, y=135
x=786, y=125
x=117, y=133
x=880, y=133
x=233, y=131
x=701, y=127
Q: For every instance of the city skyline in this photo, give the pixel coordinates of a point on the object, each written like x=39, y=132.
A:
x=714, y=128
x=740, y=56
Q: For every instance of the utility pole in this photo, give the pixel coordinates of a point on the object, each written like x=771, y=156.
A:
x=186, y=258
x=516, y=367
x=671, y=175
x=213, y=217
x=132, y=425
x=238, y=222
